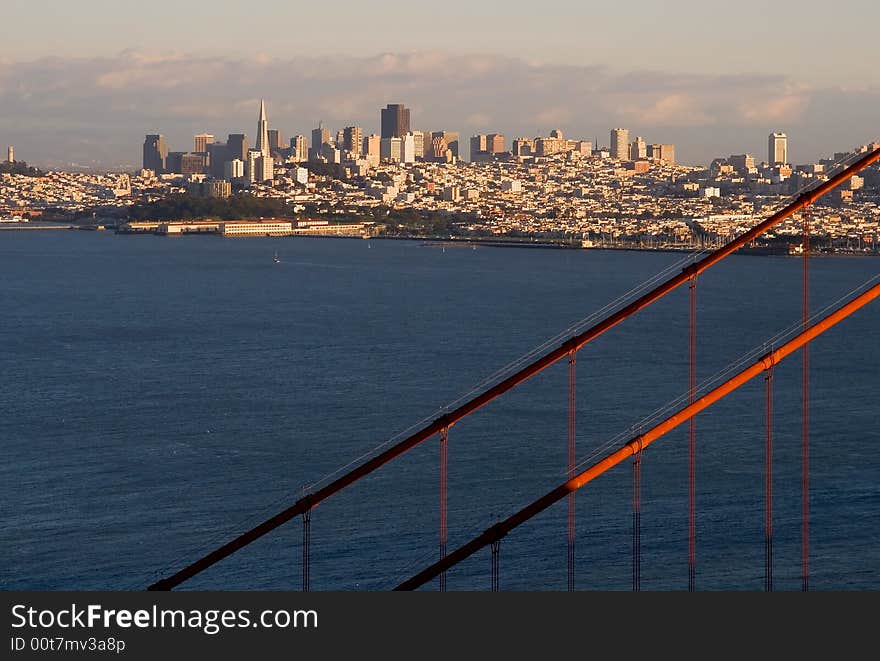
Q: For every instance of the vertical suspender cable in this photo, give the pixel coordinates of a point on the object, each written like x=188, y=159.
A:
x=572, y=362
x=768, y=484
x=443, y=474
x=805, y=424
x=637, y=520
x=692, y=440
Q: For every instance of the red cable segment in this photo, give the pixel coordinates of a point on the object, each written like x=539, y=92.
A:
x=443, y=450
x=572, y=379
x=637, y=520
x=805, y=423
x=768, y=482
x=499, y=530
x=692, y=440
x=512, y=381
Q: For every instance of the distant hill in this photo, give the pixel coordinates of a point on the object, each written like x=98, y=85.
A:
x=19, y=167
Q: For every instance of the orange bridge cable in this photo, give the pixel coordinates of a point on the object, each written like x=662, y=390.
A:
x=524, y=374
x=805, y=423
x=768, y=482
x=572, y=408
x=637, y=520
x=443, y=477
x=692, y=438
x=641, y=441
x=722, y=375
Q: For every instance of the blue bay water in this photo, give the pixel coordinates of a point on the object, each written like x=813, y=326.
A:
x=161, y=395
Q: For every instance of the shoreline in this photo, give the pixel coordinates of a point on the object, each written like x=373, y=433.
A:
x=459, y=242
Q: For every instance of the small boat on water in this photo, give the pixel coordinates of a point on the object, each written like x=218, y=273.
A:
x=276, y=259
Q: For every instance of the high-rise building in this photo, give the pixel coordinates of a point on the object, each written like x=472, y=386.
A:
x=389, y=149
x=275, y=140
x=523, y=147
x=320, y=137
x=185, y=163
x=263, y=131
x=557, y=133
x=299, y=149
x=233, y=169
x=372, y=148
x=742, y=163
x=352, y=139
x=495, y=143
x=259, y=167
x=193, y=163
x=638, y=149
x=155, y=153
x=450, y=138
x=777, y=149
x=421, y=138
x=478, y=146
x=439, y=150
x=549, y=146
x=395, y=120
x=662, y=153
x=620, y=144
x=217, y=158
x=237, y=146
x=202, y=140
x=408, y=148
x=10, y=154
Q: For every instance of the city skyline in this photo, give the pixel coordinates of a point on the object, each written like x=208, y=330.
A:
x=177, y=96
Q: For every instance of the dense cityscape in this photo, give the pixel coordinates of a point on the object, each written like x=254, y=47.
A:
x=403, y=182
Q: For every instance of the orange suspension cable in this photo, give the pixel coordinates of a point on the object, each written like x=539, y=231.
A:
x=511, y=381
x=498, y=530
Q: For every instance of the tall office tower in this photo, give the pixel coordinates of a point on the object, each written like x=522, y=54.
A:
x=320, y=137
x=620, y=144
x=275, y=140
x=237, y=146
x=233, y=169
x=495, y=143
x=192, y=163
x=389, y=149
x=662, y=153
x=742, y=163
x=259, y=168
x=777, y=149
x=408, y=148
x=639, y=149
x=10, y=154
x=478, y=145
x=251, y=167
x=340, y=138
x=523, y=147
x=217, y=158
x=202, y=140
x=372, y=147
x=395, y=120
x=450, y=138
x=174, y=161
x=420, y=139
x=263, y=131
x=353, y=139
x=155, y=153
x=299, y=148
x=556, y=133
x=439, y=149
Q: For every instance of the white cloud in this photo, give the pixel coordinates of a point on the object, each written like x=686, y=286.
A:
x=52, y=104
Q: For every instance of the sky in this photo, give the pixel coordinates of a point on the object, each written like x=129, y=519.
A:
x=82, y=82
